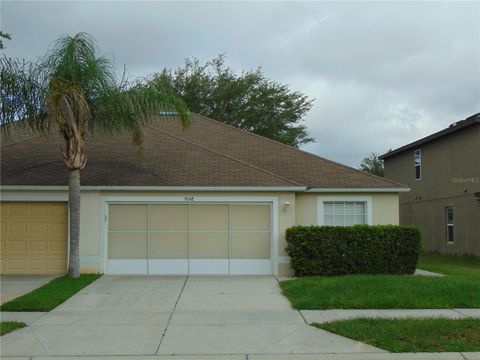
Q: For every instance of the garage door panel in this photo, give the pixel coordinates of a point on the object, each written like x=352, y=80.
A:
x=15, y=266
x=17, y=209
x=127, y=217
x=37, y=246
x=17, y=246
x=58, y=210
x=57, y=265
x=209, y=218
x=250, y=245
x=168, y=245
x=56, y=247
x=209, y=245
x=168, y=217
x=36, y=265
x=250, y=217
x=39, y=227
x=17, y=227
x=39, y=210
x=127, y=245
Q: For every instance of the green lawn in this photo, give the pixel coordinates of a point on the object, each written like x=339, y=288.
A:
x=383, y=292
x=411, y=335
x=450, y=265
x=9, y=326
x=50, y=295
x=460, y=288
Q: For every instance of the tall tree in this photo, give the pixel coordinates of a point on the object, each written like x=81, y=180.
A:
x=73, y=91
x=247, y=100
x=372, y=165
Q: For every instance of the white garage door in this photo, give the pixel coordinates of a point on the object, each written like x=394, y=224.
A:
x=189, y=239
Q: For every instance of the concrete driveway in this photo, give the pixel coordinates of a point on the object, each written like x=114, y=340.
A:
x=131, y=315
x=12, y=286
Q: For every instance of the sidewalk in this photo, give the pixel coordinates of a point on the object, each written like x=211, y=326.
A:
x=351, y=356
x=323, y=316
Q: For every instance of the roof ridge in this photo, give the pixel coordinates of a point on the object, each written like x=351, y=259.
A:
x=225, y=156
x=302, y=151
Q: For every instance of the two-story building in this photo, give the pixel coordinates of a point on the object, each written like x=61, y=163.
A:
x=443, y=173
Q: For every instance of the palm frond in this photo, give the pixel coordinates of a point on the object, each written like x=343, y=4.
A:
x=73, y=82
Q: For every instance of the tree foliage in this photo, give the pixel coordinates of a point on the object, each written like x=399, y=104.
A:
x=372, y=165
x=4, y=36
x=247, y=100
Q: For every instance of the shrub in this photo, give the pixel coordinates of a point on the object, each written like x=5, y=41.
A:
x=358, y=249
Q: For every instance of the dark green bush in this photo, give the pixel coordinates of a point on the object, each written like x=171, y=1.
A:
x=359, y=249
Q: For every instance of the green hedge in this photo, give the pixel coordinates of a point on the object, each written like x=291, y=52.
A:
x=359, y=249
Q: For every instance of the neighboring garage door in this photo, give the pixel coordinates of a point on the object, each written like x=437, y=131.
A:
x=189, y=239
x=33, y=237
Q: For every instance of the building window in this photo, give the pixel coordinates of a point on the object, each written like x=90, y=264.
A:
x=344, y=213
x=417, y=161
x=449, y=223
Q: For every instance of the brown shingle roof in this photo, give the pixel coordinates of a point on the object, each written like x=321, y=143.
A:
x=210, y=153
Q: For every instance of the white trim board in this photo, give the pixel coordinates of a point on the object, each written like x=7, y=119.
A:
x=201, y=188
x=357, y=190
x=154, y=188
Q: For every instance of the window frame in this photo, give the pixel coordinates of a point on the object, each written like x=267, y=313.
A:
x=448, y=225
x=417, y=152
x=344, y=198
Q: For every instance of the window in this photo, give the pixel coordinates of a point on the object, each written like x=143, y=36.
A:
x=449, y=223
x=344, y=213
x=417, y=161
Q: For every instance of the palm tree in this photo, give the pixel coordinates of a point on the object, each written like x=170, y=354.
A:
x=74, y=92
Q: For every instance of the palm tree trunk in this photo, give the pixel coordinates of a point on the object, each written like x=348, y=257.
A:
x=74, y=207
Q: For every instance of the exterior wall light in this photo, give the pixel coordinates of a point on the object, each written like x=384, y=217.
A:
x=286, y=205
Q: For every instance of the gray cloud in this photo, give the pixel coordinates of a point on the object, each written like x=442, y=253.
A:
x=383, y=73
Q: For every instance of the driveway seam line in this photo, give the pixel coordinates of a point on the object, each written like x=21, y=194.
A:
x=171, y=315
x=41, y=344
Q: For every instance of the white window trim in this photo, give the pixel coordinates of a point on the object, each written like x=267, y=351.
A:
x=415, y=165
x=360, y=198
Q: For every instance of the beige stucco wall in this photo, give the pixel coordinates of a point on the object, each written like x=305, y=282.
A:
x=385, y=209
x=306, y=209
x=89, y=224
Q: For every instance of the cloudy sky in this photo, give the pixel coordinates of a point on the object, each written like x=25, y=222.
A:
x=383, y=73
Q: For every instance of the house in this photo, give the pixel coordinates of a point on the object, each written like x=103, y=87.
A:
x=443, y=172
x=209, y=200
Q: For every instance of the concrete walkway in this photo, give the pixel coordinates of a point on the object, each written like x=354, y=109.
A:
x=351, y=356
x=12, y=286
x=322, y=316
x=133, y=315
